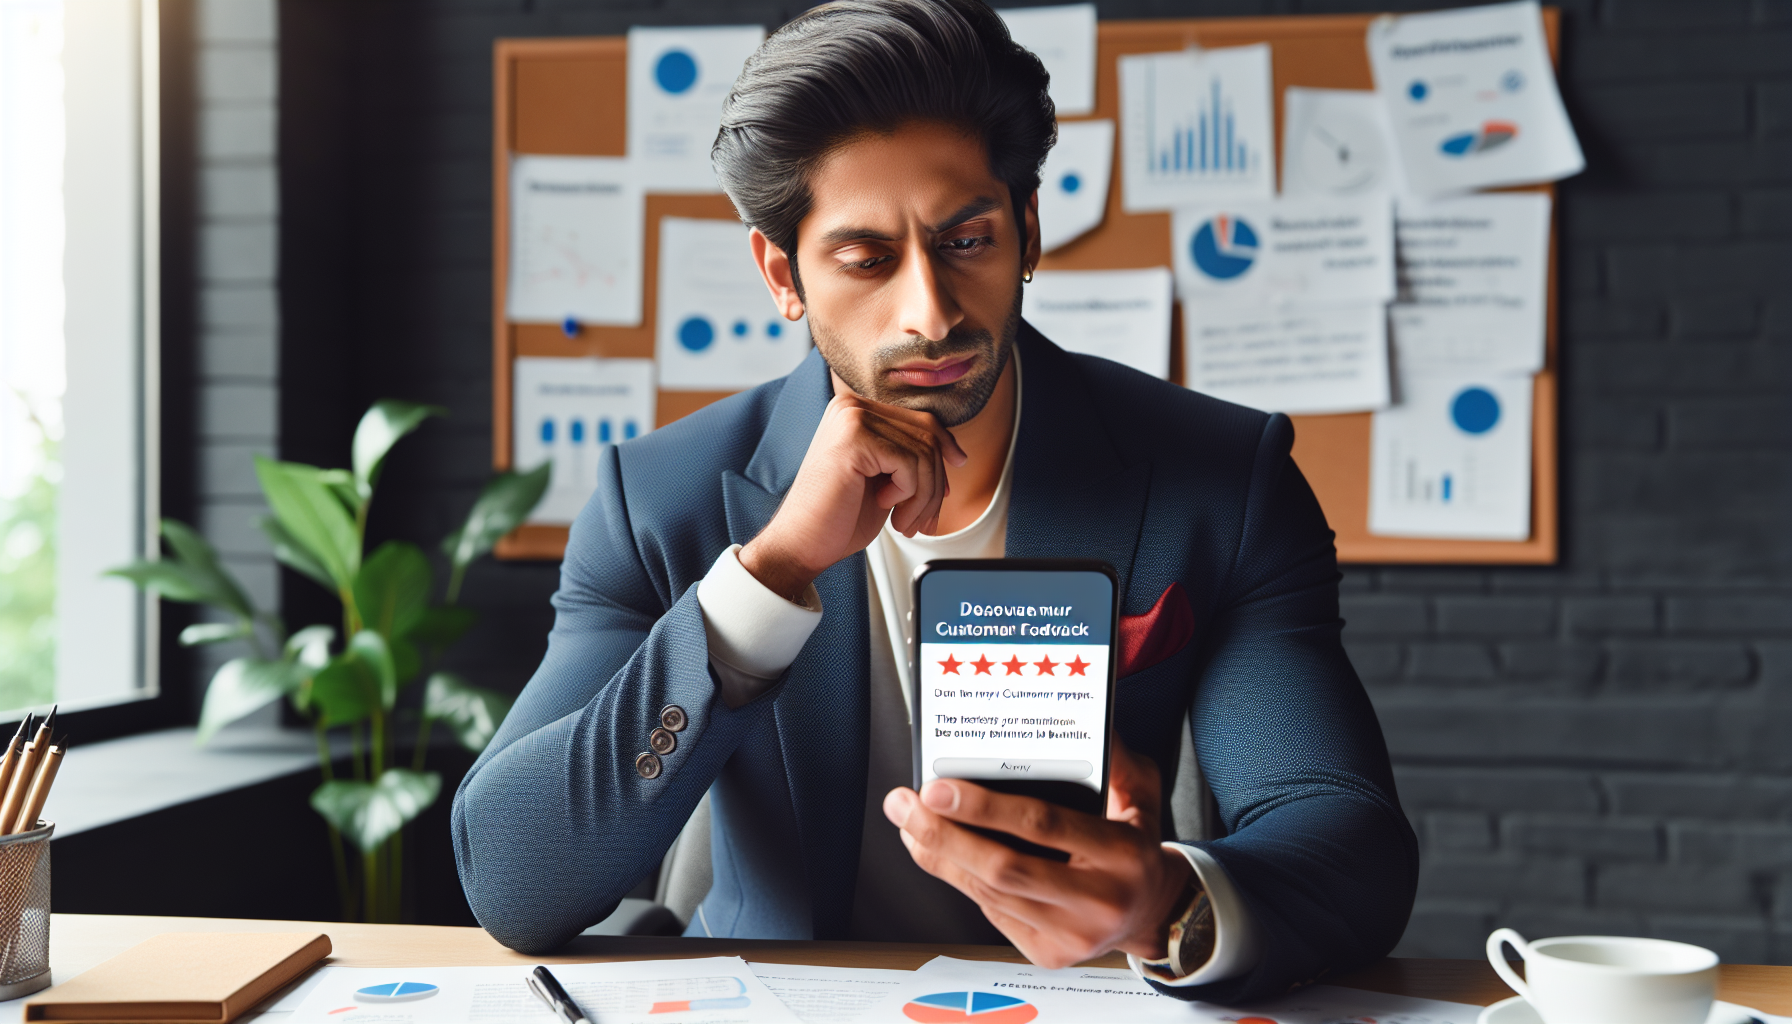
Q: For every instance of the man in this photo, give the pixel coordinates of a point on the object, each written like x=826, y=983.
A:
x=733, y=602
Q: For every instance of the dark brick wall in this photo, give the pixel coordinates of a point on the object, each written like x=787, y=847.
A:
x=1596, y=746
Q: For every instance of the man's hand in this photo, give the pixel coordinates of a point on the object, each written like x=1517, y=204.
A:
x=867, y=462
x=1117, y=892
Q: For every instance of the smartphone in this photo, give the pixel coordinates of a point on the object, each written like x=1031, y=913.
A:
x=1012, y=668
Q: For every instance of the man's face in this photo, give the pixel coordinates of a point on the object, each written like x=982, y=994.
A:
x=911, y=261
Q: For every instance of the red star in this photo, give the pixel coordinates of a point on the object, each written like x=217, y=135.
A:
x=951, y=664
x=1013, y=665
x=1045, y=665
x=982, y=664
x=1076, y=667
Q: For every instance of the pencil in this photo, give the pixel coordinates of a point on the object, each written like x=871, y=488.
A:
x=10, y=760
x=26, y=772
x=40, y=788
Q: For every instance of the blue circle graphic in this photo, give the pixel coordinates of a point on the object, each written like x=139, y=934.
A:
x=1475, y=410
x=696, y=334
x=1070, y=183
x=1418, y=90
x=395, y=992
x=774, y=330
x=629, y=430
x=1224, y=247
x=740, y=329
x=1512, y=81
x=603, y=430
x=547, y=431
x=676, y=71
x=576, y=431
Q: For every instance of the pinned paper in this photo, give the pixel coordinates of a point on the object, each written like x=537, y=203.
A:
x=1285, y=251
x=1123, y=315
x=1064, y=40
x=1473, y=282
x=1195, y=127
x=677, y=80
x=718, y=328
x=1453, y=459
x=1472, y=98
x=1337, y=142
x=575, y=241
x=1292, y=359
x=566, y=411
x=1073, y=184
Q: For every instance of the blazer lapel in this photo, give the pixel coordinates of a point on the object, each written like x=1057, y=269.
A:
x=822, y=713
x=1076, y=495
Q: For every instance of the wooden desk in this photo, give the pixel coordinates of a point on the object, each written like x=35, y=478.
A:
x=79, y=941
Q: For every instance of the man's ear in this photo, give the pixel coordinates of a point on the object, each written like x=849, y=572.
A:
x=774, y=266
x=1031, y=259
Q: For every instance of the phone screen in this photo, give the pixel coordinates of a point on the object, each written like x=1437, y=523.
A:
x=1015, y=677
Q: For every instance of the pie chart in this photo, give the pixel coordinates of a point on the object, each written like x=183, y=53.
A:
x=1223, y=247
x=970, y=1008
x=395, y=992
x=1491, y=135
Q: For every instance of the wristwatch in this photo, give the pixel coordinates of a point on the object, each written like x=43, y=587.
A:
x=1191, y=935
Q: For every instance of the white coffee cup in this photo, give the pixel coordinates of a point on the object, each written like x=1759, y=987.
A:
x=1605, y=979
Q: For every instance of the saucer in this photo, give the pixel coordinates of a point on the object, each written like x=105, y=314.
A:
x=1516, y=1011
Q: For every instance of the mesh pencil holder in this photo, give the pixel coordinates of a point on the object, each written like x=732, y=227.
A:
x=25, y=911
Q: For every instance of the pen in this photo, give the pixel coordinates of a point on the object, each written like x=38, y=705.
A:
x=547, y=988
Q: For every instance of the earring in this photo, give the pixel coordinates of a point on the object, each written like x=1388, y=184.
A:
x=1026, y=276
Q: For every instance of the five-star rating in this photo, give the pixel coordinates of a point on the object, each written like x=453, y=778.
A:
x=1045, y=666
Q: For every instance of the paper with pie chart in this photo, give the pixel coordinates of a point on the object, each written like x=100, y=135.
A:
x=1309, y=249
x=677, y=80
x=1073, y=184
x=1472, y=98
x=1453, y=458
x=575, y=241
x=566, y=412
x=1337, y=142
x=717, y=326
x=1014, y=675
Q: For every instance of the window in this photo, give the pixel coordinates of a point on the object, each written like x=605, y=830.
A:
x=77, y=348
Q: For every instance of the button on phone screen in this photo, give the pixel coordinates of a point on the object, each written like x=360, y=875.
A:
x=1014, y=675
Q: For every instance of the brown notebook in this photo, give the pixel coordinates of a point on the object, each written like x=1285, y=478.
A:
x=183, y=978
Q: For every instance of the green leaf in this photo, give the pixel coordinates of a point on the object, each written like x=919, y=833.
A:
x=374, y=653
x=473, y=713
x=442, y=625
x=291, y=554
x=369, y=813
x=313, y=516
x=166, y=579
x=342, y=484
x=309, y=648
x=385, y=423
x=506, y=501
x=192, y=551
x=344, y=691
x=213, y=632
x=392, y=588
x=242, y=686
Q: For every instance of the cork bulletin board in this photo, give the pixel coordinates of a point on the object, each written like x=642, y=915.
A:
x=567, y=97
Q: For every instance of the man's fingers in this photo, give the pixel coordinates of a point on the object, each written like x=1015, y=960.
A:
x=1027, y=817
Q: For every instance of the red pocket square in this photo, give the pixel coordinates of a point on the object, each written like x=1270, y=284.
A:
x=1148, y=639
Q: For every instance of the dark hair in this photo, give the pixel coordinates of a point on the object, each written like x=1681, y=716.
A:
x=850, y=67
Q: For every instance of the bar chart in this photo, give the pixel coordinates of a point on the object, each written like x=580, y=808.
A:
x=1196, y=126
x=1206, y=144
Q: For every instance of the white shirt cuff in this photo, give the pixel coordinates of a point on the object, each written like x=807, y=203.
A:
x=1235, y=948
x=754, y=634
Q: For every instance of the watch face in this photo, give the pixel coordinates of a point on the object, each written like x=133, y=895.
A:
x=1342, y=154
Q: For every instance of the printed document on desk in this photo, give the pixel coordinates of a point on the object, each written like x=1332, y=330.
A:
x=1317, y=249
x=1123, y=315
x=1063, y=38
x=710, y=990
x=1337, y=142
x=1195, y=127
x=1453, y=458
x=1073, y=184
x=718, y=328
x=1292, y=359
x=830, y=995
x=1472, y=282
x=566, y=412
x=575, y=241
x=1472, y=98
x=946, y=989
x=677, y=80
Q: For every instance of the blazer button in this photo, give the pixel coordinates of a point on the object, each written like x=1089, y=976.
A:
x=648, y=765
x=673, y=718
x=662, y=742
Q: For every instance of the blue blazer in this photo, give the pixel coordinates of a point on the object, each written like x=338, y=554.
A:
x=553, y=825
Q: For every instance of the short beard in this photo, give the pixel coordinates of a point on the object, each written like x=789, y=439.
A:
x=952, y=404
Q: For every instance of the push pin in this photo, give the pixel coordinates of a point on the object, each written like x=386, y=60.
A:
x=570, y=327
